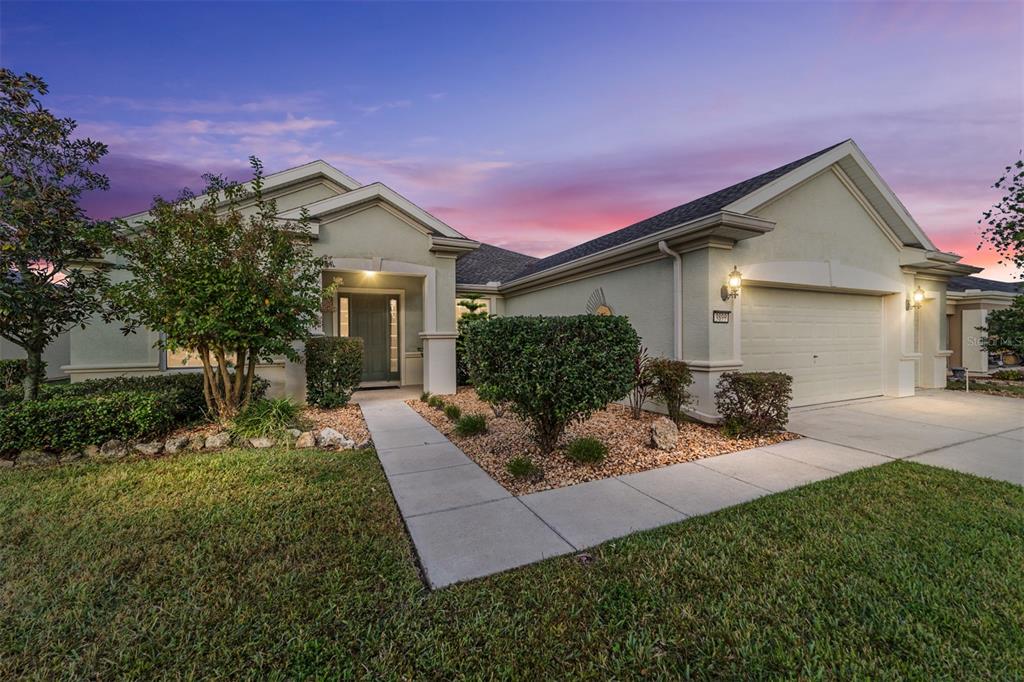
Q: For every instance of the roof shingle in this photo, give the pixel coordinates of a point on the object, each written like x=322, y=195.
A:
x=489, y=264
x=698, y=208
x=971, y=282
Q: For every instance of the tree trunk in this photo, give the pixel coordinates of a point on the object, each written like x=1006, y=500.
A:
x=35, y=371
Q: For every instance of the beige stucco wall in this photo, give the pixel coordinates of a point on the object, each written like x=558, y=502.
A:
x=55, y=356
x=820, y=221
x=643, y=293
x=377, y=232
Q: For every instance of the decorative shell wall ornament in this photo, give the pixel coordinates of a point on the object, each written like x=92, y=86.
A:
x=596, y=304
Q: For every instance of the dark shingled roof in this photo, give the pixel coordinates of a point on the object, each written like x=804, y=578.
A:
x=970, y=282
x=698, y=208
x=489, y=264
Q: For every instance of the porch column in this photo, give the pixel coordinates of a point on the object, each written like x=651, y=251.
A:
x=438, y=336
x=931, y=319
x=710, y=349
x=973, y=355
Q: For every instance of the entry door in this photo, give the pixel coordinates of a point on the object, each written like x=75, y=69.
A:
x=831, y=344
x=374, y=319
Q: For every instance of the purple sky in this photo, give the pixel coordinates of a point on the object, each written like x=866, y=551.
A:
x=537, y=126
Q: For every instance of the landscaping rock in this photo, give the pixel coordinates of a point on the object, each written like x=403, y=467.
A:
x=262, y=442
x=69, y=457
x=91, y=451
x=176, y=444
x=365, y=444
x=221, y=439
x=293, y=433
x=664, y=434
x=35, y=458
x=151, y=448
x=113, y=449
x=196, y=442
x=306, y=439
x=6, y=463
x=329, y=438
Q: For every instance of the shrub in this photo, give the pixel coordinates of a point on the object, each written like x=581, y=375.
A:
x=471, y=425
x=1009, y=375
x=425, y=396
x=12, y=373
x=669, y=381
x=586, y=451
x=523, y=467
x=71, y=422
x=436, y=402
x=754, y=403
x=266, y=419
x=552, y=371
x=643, y=382
x=334, y=366
x=452, y=411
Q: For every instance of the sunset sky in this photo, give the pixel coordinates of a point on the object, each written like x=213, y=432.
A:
x=537, y=126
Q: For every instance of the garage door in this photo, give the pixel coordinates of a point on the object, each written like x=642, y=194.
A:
x=830, y=343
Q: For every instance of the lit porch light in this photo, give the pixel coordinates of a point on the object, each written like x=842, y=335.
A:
x=731, y=289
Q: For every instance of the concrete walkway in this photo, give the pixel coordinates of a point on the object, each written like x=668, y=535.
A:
x=464, y=525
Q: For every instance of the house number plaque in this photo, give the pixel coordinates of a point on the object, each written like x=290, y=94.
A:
x=720, y=316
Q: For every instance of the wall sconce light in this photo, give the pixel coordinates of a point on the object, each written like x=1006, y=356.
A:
x=731, y=289
x=916, y=299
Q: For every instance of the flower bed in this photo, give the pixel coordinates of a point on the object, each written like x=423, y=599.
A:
x=628, y=442
x=336, y=428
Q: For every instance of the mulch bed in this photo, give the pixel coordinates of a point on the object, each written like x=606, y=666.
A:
x=348, y=420
x=628, y=442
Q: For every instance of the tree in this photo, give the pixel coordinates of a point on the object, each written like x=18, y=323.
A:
x=220, y=276
x=1004, y=231
x=1004, y=222
x=475, y=310
x=47, y=283
x=1005, y=329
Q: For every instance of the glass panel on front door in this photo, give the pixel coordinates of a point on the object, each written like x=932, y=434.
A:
x=375, y=319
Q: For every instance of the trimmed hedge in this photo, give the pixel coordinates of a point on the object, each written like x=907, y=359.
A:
x=73, y=422
x=669, y=381
x=72, y=416
x=334, y=366
x=552, y=371
x=12, y=373
x=754, y=403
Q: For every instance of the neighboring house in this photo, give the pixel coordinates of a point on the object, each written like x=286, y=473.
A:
x=968, y=302
x=830, y=263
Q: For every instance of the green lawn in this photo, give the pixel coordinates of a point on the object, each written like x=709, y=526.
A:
x=286, y=564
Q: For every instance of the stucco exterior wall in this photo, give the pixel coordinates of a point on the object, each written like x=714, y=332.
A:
x=818, y=223
x=643, y=293
x=55, y=356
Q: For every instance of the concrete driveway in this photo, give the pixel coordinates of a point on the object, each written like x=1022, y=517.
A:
x=974, y=433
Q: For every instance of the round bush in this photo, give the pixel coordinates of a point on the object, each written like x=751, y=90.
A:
x=586, y=451
x=334, y=367
x=471, y=425
x=523, y=467
x=552, y=371
x=453, y=412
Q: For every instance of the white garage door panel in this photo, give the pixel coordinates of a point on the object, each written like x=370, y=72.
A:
x=830, y=343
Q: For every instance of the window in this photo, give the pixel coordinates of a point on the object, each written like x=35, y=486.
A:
x=343, y=316
x=187, y=359
x=393, y=334
x=461, y=310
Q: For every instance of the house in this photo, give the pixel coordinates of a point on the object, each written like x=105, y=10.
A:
x=968, y=302
x=837, y=284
